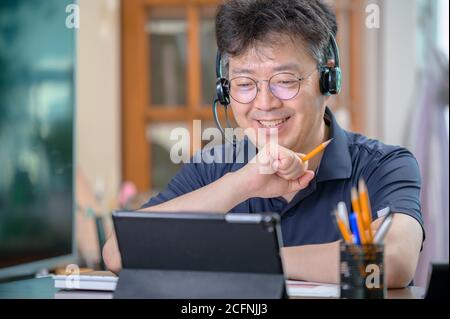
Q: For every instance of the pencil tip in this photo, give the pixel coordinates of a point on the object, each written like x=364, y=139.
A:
x=361, y=184
x=328, y=142
x=354, y=193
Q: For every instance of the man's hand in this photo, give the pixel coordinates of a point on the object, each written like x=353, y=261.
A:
x=272, y=173
x=111, y=254
x=275, y=171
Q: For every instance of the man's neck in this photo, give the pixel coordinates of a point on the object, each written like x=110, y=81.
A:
x=323, y=136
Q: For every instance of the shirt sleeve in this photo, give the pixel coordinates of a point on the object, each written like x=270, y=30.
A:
x=192, y=176
x=394, y=181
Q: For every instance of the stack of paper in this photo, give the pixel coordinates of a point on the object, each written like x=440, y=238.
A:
x=311, y=289
x=93, y=280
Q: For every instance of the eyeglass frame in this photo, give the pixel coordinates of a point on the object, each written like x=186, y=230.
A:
x=299, y=79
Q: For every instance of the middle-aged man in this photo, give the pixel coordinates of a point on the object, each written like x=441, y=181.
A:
x=275, y=56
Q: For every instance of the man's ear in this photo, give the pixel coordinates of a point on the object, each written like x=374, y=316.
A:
x=326, y=101
x=331, y=63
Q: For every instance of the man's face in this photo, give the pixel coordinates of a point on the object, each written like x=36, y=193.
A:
x=297, y=120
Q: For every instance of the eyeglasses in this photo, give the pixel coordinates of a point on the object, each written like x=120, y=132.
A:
x=284, y=86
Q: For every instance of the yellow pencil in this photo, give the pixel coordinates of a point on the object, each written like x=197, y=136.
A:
x=357, y=210
x=316, y=151
x=344, y=231
x=365, y=209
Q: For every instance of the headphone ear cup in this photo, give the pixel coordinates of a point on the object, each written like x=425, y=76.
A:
x=223, y=91
x=330, y=81
x=324, y=81
x=335, y=80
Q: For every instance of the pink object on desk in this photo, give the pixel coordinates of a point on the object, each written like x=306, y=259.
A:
x=127, y=191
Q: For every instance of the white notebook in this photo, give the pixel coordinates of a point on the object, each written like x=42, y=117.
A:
x=93, y=280
x=83, y=294
x=312, y=289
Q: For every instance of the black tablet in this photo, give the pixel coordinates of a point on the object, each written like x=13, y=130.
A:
x=199, y=255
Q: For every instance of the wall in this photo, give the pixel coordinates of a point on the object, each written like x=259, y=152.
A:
x=398, y=67
x=98, y=98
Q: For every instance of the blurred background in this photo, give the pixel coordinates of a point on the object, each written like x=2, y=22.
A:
x=143, y=67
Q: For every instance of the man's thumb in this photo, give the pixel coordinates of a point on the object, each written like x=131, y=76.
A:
x=302, y=182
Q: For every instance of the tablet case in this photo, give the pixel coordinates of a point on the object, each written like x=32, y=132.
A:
x=438, y=282
x=199, y=256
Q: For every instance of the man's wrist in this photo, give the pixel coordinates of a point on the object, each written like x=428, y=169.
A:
x=236, y=184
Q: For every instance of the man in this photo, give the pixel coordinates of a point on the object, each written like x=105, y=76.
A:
x=289, y=41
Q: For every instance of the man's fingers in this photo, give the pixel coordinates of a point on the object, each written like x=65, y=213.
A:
x=302, y=182
x=306, y=178
x=292, y=172
x=300, y=156
x=287, y=163
x=264, y=157
x=276, y=165
x=276, y=159
x=266, y=163
x=291, y=168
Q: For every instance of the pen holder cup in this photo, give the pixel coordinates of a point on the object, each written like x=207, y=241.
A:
x=362, y=271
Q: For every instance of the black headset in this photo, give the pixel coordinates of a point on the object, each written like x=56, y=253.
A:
x=330, y=81
x=222, y=95
x=222, y=84
x=330, y=77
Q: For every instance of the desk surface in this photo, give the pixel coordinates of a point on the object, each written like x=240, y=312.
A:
x=33, y=288
x=43, y=288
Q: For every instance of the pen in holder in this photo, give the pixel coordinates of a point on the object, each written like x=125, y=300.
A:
x=362, y=271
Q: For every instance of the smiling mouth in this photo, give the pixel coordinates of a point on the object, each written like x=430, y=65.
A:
x=273, y=123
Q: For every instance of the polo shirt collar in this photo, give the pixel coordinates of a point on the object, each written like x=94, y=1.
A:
x=336, y=162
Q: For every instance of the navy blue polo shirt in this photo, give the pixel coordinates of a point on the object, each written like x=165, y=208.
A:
x=391, y=174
